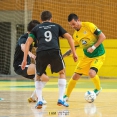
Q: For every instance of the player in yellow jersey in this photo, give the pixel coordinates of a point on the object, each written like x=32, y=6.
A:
x=90, y=38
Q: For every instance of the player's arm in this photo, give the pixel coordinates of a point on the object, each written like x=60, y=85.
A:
x=71, y=43
x=29, y=53
x=101, y=38
x=69, y=52
x=26, y=50
x=97, y=32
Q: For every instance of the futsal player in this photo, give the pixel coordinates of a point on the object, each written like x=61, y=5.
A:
x=88, y=36
x=29, y=71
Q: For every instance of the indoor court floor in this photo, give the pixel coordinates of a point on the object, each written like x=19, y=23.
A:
x=15, y=91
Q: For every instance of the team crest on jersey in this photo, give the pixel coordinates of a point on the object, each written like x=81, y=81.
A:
x=84, y=42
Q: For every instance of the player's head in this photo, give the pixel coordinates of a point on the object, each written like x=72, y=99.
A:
x=46, y=16
x=74, y=21
x=32, y=24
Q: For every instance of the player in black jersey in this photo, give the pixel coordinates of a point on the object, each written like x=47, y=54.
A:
x=48, y=52
x=29, y=71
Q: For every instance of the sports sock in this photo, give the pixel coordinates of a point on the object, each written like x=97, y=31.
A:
x=71, y=85
x=61, y=86
x=39, y=86
x=33, y=95
x=96, y=82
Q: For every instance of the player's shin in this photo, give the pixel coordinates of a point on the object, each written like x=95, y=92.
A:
x=70, y=87
x=33, y=95
x=62, y=86
x=39, y=86
x=96, y=82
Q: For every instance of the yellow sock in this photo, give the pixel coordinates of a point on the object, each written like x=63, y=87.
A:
x=71, y=85
x=96, y=82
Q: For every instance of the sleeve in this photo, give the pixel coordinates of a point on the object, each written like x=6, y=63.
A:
x=94, y=29
x=22, y=40
x=33, y=33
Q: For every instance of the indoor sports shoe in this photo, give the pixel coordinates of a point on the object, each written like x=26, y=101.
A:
x=65, y=98
x=31, y=100
x=62, y=103
x=39, y=105
x=97, y=91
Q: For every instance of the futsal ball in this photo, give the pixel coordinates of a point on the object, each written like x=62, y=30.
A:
x=90, y=96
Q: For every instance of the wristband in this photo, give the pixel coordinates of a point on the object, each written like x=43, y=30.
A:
x=93, y=47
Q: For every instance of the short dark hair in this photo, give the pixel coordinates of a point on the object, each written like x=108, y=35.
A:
x=46, y=15
x=72, y=16
x=32, y=24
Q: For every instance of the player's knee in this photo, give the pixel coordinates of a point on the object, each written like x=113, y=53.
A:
x=44, y=78
x=62, y=73
x=31, y=69
x=76, y=76
x=92, y=73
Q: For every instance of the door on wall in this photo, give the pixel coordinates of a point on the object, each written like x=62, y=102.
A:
x=5, y=47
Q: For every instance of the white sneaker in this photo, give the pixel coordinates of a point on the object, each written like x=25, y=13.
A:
x=65, y=98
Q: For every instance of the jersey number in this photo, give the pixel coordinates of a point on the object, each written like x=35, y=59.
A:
x=48, y=36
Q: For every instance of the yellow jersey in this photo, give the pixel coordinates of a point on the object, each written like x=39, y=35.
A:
x=88, y=36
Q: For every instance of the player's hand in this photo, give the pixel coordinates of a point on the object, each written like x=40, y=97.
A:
x=49, y=66
x=90, y=50
x=32, y=55
x=75, y=57
x=24, y=63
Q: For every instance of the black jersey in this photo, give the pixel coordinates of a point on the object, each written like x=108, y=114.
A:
x=47, y=35
x=18, y=56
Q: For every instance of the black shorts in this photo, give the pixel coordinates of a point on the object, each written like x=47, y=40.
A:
x=52, y=57
x=23, y=73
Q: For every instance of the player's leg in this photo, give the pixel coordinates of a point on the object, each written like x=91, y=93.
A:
x=31, y=69
x=95, y=66
x=80, y=69
x=44, y=79
x=96, y=80
x=33, y=97
x=71, y=84
x=39, y=85
x=62, y=86
x=57, y=65
x=41, y=78
x=27, y=74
